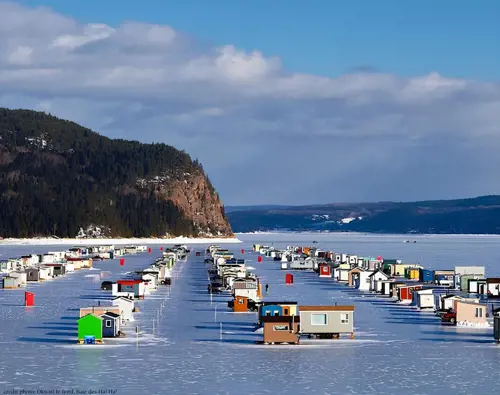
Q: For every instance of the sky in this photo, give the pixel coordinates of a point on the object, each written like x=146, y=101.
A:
x=283, y=102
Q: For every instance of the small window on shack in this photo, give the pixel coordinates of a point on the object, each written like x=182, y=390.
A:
x=344, y=318
x=268, y=313
x=318, y=319
x=240, y=301
x=276, y=313
x=479, y=312
x=108, y=323
x=285, y=311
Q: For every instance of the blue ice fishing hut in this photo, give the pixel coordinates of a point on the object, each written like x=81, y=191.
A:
x=426, y=276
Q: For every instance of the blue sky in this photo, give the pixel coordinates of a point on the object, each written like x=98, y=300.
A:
x=276, y=98
x=457, y=38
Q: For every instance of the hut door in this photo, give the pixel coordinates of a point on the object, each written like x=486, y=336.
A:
x=285, y=311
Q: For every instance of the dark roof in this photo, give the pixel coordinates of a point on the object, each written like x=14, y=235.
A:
x=111, y=314
x=282, y=318
x=379, y=271
x=493, y=280
x=265, y=303
x=123, y=297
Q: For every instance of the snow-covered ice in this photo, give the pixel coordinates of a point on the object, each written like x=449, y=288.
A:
x=396, y=347
x=76, y=241
x=468, y=324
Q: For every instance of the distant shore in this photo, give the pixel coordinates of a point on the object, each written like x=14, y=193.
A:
x=409, y=236
x=125, y=241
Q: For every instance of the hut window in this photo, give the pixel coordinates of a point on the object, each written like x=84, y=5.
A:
x=285, y=311
x=344, y=318
x=108, y=323
x=240, y=301
x=318, y=319
x=479, y=312
x=276, y=313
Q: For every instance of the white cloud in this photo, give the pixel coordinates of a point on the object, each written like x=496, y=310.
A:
x=21, y=56
x=263, y=133
x=90, y=33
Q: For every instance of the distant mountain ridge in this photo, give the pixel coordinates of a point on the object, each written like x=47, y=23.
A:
x=479, y=215
x=59, y=178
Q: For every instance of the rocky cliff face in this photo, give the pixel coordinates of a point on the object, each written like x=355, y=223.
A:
x=197, y=200
x=59, y=178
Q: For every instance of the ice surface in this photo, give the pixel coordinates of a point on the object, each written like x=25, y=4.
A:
x=396, y=347
x=75, y=242
x=473, y=324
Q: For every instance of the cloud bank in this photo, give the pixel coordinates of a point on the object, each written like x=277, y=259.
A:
x=263, y=133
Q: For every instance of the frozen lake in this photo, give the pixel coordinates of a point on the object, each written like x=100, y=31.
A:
x=395, y=349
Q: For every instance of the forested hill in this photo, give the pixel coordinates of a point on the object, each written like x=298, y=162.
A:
x=59, y=178
x=480, y=215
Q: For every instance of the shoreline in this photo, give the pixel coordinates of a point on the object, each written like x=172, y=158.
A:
x=124, y=241
x=373, y=234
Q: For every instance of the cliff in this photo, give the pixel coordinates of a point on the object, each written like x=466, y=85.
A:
x=59, y=178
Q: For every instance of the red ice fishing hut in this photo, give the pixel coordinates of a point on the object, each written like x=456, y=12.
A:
x=289, y=278
x=325, y=271
x=29, y=299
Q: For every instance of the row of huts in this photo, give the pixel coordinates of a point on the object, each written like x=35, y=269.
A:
x=455, y=294
x=18, y=272
x=106, y=321
x=286, y=322
x=281, y=322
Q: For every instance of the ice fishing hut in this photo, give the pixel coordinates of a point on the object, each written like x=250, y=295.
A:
x=240, y=304
x=424, y=298
x=326, y=321
x=247, y=286
x=137, y=287
x=412, y=273
x=470, y=313
x=126, y=306
x=32, y=274
x=110, y=324
x=289, y=279
x=496, y=328
x=376, y=279
x=11, y=282
x=405, y=292
x=29, y=299
x=281, y=329
x=426, y=276
x=325, y=271
x=354, y=274
x=90, y=329
x=493, y=287
x=477, y=286
x=58, y=269
x=277, y=309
